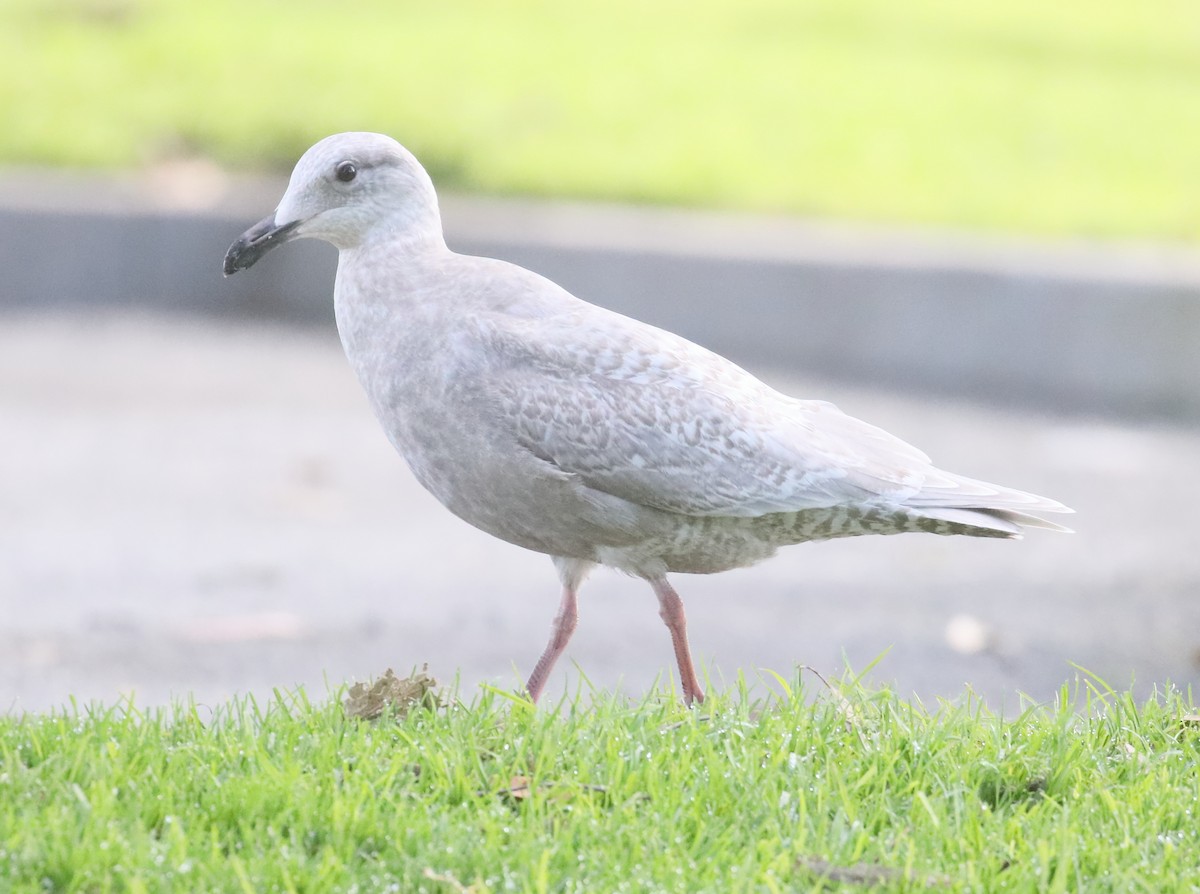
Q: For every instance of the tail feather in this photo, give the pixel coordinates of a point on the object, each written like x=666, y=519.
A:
x=1003, y=522
x=990, y=508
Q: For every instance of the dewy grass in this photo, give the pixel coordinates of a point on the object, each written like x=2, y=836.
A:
x=803, y=791
x=1070, y=117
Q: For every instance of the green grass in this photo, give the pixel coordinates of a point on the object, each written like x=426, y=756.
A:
x=1096, y=793
x=1071, y=117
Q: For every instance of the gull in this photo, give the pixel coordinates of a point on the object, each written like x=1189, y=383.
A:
x=583, y=434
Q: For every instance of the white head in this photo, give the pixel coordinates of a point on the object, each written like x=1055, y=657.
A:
x=345, y=187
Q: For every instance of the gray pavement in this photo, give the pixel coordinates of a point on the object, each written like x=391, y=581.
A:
x=191, y=506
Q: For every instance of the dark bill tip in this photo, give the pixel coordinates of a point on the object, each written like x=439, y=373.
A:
x=256, y=242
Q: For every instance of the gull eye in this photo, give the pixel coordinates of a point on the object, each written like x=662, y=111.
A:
x=345, y=171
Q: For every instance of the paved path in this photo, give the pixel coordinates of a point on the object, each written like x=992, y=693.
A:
x=190, y=507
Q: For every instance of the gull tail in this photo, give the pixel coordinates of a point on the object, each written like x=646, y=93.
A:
x=979, y=509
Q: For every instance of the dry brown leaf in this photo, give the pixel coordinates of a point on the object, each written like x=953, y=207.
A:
x=517, y=789
x=369, y=701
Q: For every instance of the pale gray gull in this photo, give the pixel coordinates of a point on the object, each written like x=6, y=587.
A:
x=577, y=432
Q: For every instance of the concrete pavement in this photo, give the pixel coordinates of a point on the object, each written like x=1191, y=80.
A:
x=191, y=506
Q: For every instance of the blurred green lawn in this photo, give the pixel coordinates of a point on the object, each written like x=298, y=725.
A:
x=1076, y=117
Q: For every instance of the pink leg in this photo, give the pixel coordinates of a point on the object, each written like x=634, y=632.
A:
x=671, y=611
x=564, y=626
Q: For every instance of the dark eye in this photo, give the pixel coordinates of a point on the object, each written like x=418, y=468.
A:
x=345, y=171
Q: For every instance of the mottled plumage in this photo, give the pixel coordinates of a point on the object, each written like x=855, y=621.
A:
x=577, y=432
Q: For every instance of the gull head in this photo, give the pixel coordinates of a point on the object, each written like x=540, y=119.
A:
x=342, y=190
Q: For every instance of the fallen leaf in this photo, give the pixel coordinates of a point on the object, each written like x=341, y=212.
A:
x=517, y=789
x=389, y=691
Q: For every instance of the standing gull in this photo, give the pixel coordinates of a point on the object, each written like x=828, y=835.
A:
x=574, y=431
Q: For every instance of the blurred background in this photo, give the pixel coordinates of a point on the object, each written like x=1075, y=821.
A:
x=975, y=225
